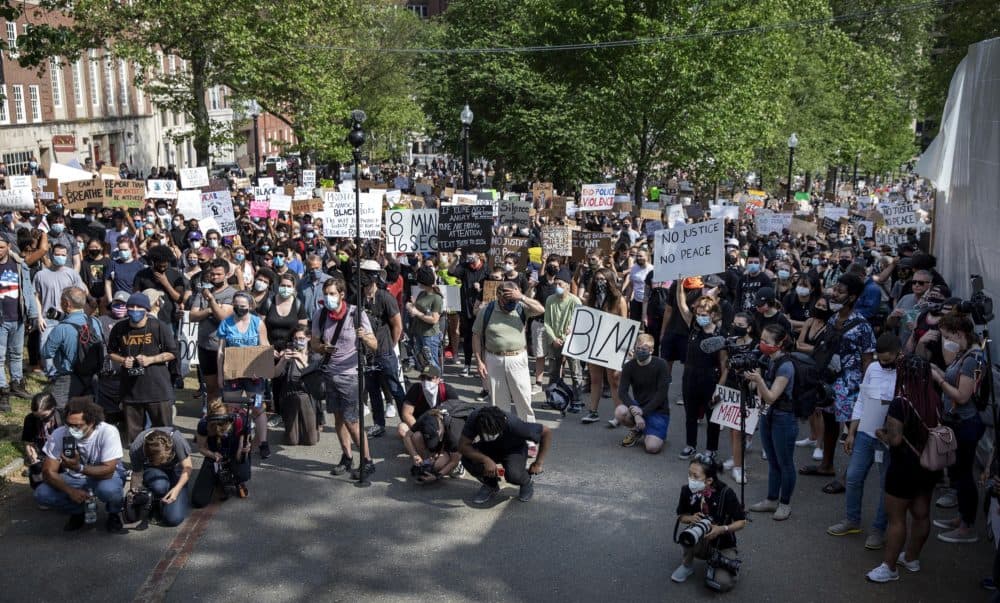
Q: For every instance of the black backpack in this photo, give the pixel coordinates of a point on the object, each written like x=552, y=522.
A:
x=89, y=360
x=828, y=346
x=558, y=395
x=808, y=388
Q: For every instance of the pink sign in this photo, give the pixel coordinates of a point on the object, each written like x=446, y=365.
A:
x=258, y=209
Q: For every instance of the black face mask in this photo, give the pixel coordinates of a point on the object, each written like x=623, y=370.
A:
x=821, y=313
x=551, y=270
x=740, y=331
x=241, y=312
x=889, y=367
x=844, y=264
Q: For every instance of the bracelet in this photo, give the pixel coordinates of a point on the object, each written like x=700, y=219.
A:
x=82, y=467
x=726, y=528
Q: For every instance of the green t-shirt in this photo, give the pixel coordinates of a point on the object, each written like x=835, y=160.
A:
x=427, y=303
x=654, y=194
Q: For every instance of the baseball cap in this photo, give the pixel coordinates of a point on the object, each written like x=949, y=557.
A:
x=194, y=236
x=693, y=282
x=430, y=371
x=370, y=265
x=732, y=242
x=764, y=295
x=120, y=298
x=139, y=299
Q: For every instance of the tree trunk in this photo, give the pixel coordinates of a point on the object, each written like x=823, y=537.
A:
x=641, y=168
x=199, y=109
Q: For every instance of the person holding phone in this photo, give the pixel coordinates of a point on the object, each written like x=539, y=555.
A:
x=209, y=307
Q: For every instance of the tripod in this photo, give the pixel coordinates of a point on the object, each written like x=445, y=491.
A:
x=744, y=397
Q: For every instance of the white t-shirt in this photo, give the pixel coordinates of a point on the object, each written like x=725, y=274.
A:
x=102, y=445
x=637, y=276
x=882, y=381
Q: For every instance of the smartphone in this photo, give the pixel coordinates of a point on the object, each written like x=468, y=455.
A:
x=69, y=446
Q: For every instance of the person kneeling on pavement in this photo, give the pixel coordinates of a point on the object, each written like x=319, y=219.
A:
x=434, y=441
x=83, y=459
x=647, y=411
x=711, y=513
x=426, y=395
x=161, y=468
x=492, y=436
x=224, y=440
x=39, y=424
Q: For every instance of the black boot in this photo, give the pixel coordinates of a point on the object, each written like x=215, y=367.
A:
x=18, y=390
x=4, y=400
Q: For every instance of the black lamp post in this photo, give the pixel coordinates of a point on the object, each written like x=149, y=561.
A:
x=854, y=179
x=255, y=113
x=356, y=138
x=793, y=141
x=466, y=117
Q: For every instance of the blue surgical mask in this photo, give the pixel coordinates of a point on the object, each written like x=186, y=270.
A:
x=560, y=291
x=57, y=228
x=784, y=274
x=239, y=257
x=643, y=355
x=815, y=261
x=125, y=254
x=703, y=321
x=508, y=307
x=286, y=292
x=332, y=302
x=75, y=432
x=753, y=268
x=136, y=315
x=59, y=260
x=265, y=248
x=279, y=261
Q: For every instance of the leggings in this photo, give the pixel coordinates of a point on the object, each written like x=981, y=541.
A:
x=698, y=392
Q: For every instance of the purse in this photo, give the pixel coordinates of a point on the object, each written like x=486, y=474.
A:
x=941, y=447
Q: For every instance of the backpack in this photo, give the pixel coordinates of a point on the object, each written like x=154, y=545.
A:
x=89, y=359
x=558, y=395
x=828, y=346
x=488, y=312
x=808, y=388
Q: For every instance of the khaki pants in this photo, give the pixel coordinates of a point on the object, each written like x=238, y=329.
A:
x=510, y=383
x=725, y=580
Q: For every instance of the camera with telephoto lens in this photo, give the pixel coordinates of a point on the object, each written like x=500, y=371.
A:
x=226, y=476
x=717, y=560
x=136, y=370
x=979, y=306
x=693, y=534
x=746, y=361
x=54, y=314
x=138, y=505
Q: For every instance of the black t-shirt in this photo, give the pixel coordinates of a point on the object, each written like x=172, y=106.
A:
x=37, y=431
x=146, y=280
x=155, y=337
x=381, y=309
x=795, y=308
x=94, y=273
x=697, y=362
x=723, y=507
x=746, y=290
x=657, y=300
x=677, y=326
x=415, y=398
x=760, y=321
x=279, y=328
x=513, y=439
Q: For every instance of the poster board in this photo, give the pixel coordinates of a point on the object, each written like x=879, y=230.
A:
x=339, y=218
x=557, y=240
x=585, y=242
x=83, y=193
x=18, y=199
x=689, y=250
x=196, y=177
x=600, y=338
x=248, y=362
x=465, y=227
x=596, y=197
x=189, y=204
x=514, y=212
x=727, y=412
x=161, y=189
x=219, y=206
x=409, y=230
x=501, y=246
x=187, y=343
x=126, y=193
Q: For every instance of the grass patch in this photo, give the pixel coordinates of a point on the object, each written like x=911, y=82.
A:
x=12, y=422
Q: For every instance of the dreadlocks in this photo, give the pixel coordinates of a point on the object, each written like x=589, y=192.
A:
x=490, y=421
x=914, y=384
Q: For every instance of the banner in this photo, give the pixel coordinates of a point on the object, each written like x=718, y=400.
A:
x=18, y=199
x=339, y=219
x=586, y=242
x=689, y=250
x=727, y=412
x=596, y=197
x=465, y=227
x=557, y=240
x=161, y=189
x=600, y=338
x=83, y=193
x=187, y=343
x=195, y=177
x=409, y=230
x=218, y=205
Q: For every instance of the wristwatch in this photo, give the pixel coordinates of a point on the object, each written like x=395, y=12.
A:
x=82, y=467
x=726, y=528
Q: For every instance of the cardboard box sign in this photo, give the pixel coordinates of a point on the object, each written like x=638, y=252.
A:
x=247, y=363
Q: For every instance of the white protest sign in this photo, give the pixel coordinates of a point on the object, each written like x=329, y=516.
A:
x=19, y=199
x=66, y=173
x=263, y=193
x=768, y=223
x=452, y=298
x=393, y=197
x=160, y=189
x=309, y=178
x=725, y=212
x=218, y=205
x=864, y=229
x=195, y=177
x=597, y=197
x=675, y=215
x=187, y=342
x=727, y=412
x=409, y=230
x=19, y=182
x=302, y=193
x=339, y=219
x=899, y=216
x=600, y=338
x=189, y=204
x=281, y=202
x=265, y=182
x=833, y=212
x=890, y=238
x=689, y=250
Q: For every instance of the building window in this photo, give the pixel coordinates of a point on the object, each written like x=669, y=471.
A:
x=419, y=10
x=123, y=83
x=4, y=115
x=12, y=40
x=95, y=81
x=213, y=96
x=173, y=64
x=78, y=82
x=16, y=162
x=36, y=103
x=55, y=70
x=109, y=84
x=19, y=115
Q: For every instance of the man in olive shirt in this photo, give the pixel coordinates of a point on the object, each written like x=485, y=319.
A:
x=559, y=308
x=500, y=351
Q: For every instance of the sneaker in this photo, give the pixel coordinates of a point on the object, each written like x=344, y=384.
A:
x=910, y=566
x=817, y=454
x=448, y=354
x=375, y=431
x=458, y=471
x=575, y=408
x=782, y=513
x=612, y=423
x=265, y=450
x=687, y=454
x=682, y=573
x=390, y=411
x=526, y=491
x=739, y=476
x=74, y=523
x=274, y=422
x=483, y=396
x=242, y=491
x=532, y=450
x=114, y=524
x=959, y=536
x=875, y=540
x=844, y=527
x=987, y=583
x=486, y=494
x=805, y=442
x=467, y=371
x=708, y=457
x=591, y=417
x=631, y=438
x=764, y=506
x=536, y=388
x=343, y=466
x=363, y=471
x=679, y=402
x=948, y=500
x=18, y=390
x=728, y=464
x=948, y=524
x=882, y=574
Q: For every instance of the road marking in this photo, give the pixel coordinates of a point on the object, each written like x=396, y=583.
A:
x=159, y=581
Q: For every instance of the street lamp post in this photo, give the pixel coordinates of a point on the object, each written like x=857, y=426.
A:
x=356, y=138
x=854, y=178
x=255, y=113
x=793, y=141
x=466, y=117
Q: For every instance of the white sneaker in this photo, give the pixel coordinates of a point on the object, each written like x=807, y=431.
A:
x=728, y=464
x=805, y=442
x=763, y=454
x=817, y=454
x=390, y=411
x=882, y=574
x=910, y=566
x=679, y=402
x=612, y=423
x=948, y=500
x=738, y=476
x=682, y=573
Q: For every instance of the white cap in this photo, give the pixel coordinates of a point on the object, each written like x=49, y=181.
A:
x=731, y=242
x=371, y=265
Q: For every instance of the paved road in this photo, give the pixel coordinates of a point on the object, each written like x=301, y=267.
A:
x=599, y=529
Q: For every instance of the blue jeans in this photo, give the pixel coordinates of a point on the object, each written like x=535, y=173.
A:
x=427, y=348
x=12, y=343
x=962, y=473
x=778, y=430
x=158, y=482
x=109, y=491
x=862, y=458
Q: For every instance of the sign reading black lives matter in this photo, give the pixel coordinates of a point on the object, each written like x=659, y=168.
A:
x=600, y=338
x=411, y=230
x=465, y=227
x=689, y=250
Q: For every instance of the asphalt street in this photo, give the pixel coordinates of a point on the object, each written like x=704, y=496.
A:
x=599, y=529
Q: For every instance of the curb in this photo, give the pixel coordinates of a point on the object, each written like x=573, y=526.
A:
x=13, y=466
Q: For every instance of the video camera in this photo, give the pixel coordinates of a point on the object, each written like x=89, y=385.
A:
x=979, y=305
x=740, y=361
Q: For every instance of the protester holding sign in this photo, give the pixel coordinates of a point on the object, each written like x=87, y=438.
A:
x=425, y=314
x=604, y=295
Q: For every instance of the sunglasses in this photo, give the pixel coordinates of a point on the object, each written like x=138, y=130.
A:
x=921, y=282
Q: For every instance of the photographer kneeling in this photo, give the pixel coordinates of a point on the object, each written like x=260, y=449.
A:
x=161, y=465
x=223, y=439
x=434, y=441
x=711, y=511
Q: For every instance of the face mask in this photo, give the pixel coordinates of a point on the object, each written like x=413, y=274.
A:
x=192, y=262
x=815, y=261
x=509, y=268
x=285, y=292
x=470, y=259
x=430, y=390
x=821, y=313
x=300, y=344
x=802, y=291
x=76, y=433
x=136, y=315
x=332, y=302
x=784, y=274
x=195, y=244
x=213, y=243
x=508, y=306
x=560, y=291
x=240, y=311
x=265, y=248
x=125, y=254
x=643, y=356
x=889, y=367
x=695, y=485
x=33, y=165
x=239, y=257
x=279, y=261
x=835, y=307
x=57, y=228
x=753, y=268
x=59, y=260
x=317, y=273
x=740, y=331
x=489, y=437
x=844, y=264
x=950, y=346
x=602, y=287
x=310, y=235
x=148, y=231
x=118, y=311
x=94, y=252
x=703, y=321
x=551, y=270
x=767, y=349
x=161, y=210
x=259, y=286
x=177, y=223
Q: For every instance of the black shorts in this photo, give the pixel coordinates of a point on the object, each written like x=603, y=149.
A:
x=673, y=347
x=908, y=480
x=208, y=360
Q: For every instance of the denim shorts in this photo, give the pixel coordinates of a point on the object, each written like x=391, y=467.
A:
x=342, y=396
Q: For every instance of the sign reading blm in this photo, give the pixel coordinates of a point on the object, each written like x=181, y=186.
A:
x=689, y=250
x=600, y=338
x=465, y=227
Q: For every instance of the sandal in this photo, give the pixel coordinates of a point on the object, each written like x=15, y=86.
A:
x=834, y=487
x=814, y=470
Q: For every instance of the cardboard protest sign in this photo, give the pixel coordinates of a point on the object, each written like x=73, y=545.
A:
x=596, y=197
x=187, y=342
x=452, y=298
x=829, y=225
x=265, y=182
x=263, y=193
x=727, y=412
x=557, y=240
x=307, y=206
x=600, y=338
x=126, y=193
x=899, y=216
x=768, y=223
x=339, y=219
x=401, y=182
x=542, y=193
x=650, y=214
x=281, y=202
x=558, y=206
x=587, y=242
x=514, y=212
x=83, y=193
x=189, y=204
x=309, y=178
x=651, y=226
x=864, y=229
x=18, y=199
x=675, y=215
x=465, y=227
x=490, y=290
x=802, y=196
x=218, y=205
x=19, y=182
x=689, y=250
x=802, y=227
x=256, y=362
x=161, y=189
x=108, y=172
x=511, y=197
x=195, y=177
x=502, y=246
x=411, y=230
x=242, y=183
x=50, y=189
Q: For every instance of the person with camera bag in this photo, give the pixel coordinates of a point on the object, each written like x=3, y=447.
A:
x=143, y=346
x=223, y=438
x=74, y=347
x=712, y=513
x=161, y=468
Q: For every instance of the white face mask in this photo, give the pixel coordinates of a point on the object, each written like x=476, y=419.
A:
x=490, y=438
x=430, y=392
x=802, y=291
x=259, y=286
x=950, y=346
x=834, y=306
x=696, y=485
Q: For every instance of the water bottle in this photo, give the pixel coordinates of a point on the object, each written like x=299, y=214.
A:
x=90, y=508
